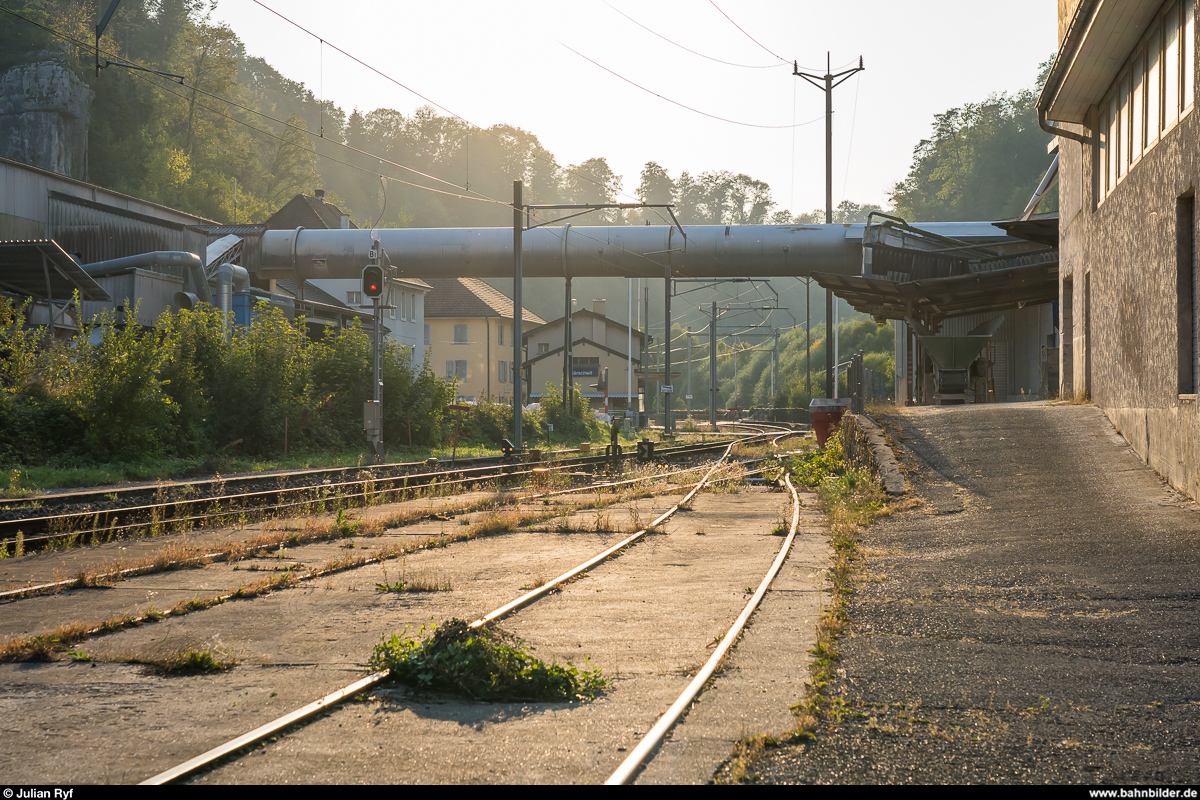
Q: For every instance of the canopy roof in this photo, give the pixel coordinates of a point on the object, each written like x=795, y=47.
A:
x=41, y=269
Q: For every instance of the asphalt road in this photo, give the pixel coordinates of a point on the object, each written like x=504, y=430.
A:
x=1035, y=621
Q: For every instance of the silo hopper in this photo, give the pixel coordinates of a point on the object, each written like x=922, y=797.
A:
x=952, y=358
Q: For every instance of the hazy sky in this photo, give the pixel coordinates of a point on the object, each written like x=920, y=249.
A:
x=493, y=62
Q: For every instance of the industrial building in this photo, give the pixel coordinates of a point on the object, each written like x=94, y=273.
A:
x=1120, y=99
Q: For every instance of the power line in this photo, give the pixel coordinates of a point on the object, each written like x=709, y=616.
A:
x=748, y=36
x=688, y=49
x=429, y=100
x=286, y=124
x=681, y=105
x=478, y=196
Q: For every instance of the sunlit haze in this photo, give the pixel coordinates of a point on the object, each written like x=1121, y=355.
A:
x=510, y=63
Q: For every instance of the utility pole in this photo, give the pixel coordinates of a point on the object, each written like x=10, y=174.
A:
x=826, y=83
x=667, y=426
x=736, y=398
x=646, y=352
x=568, y=386
x=807, y=338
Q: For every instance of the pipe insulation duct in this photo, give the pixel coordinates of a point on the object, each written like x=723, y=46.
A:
x=191, y=263
x=709, y=251
x=230, y=277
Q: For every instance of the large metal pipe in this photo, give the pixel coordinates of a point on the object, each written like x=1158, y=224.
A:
x=228, y=278
x=159, y=258
x=711, y=251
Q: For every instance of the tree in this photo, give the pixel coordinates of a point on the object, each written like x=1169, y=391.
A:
x=983, y=161
x=593, y=181
x=656, y=185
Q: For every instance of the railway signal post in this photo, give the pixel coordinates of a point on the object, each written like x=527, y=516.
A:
x=373, y=283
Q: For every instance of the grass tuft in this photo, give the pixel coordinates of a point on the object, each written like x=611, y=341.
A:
x=746, y=755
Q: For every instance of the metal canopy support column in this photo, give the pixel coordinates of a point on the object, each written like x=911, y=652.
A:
x=568, y=380
x=712, y=367
x=518, y=367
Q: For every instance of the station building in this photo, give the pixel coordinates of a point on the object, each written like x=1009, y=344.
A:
x=1120, y=99
x=597, y=343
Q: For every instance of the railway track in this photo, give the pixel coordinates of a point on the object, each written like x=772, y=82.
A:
x=628, y=771
x=100, y=578
x=107, y=514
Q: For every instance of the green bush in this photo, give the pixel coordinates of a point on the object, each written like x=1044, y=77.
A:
x=482, y=664
x=183, y=389
x=812, y=467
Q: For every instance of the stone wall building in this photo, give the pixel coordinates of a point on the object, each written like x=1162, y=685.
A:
x=1121, y=99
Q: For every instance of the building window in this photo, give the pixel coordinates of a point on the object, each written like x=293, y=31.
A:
x=1186, y=288
x=456, y=368
x=500, y=334
x=543, y=347
x=428, y=340
x=502, y=369
x=1153, y=91
x=354, y=298
x=460, y=334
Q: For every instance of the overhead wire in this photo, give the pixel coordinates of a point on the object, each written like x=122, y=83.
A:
x=470, y=124
x=316, y=135
x=748, y=36
x=688, y=49
x=474, y=194
x=682, y=105
x=427, y=99
x=143, y=74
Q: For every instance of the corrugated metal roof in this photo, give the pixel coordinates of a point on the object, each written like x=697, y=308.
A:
x=312, y=293
x=40, y=268
x=454, y=298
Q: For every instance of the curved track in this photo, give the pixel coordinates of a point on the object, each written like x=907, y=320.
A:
x=233, y=746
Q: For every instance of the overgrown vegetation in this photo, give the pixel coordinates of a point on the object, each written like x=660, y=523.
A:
x=851, y=500
x=114, y=393
x=482, y=664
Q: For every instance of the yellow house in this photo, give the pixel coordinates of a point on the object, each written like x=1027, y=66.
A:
x=468, y=336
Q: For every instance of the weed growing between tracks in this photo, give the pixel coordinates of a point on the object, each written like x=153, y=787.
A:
x=851, y=500
x=168, y=658
x=48, y=646
x=483, y=664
